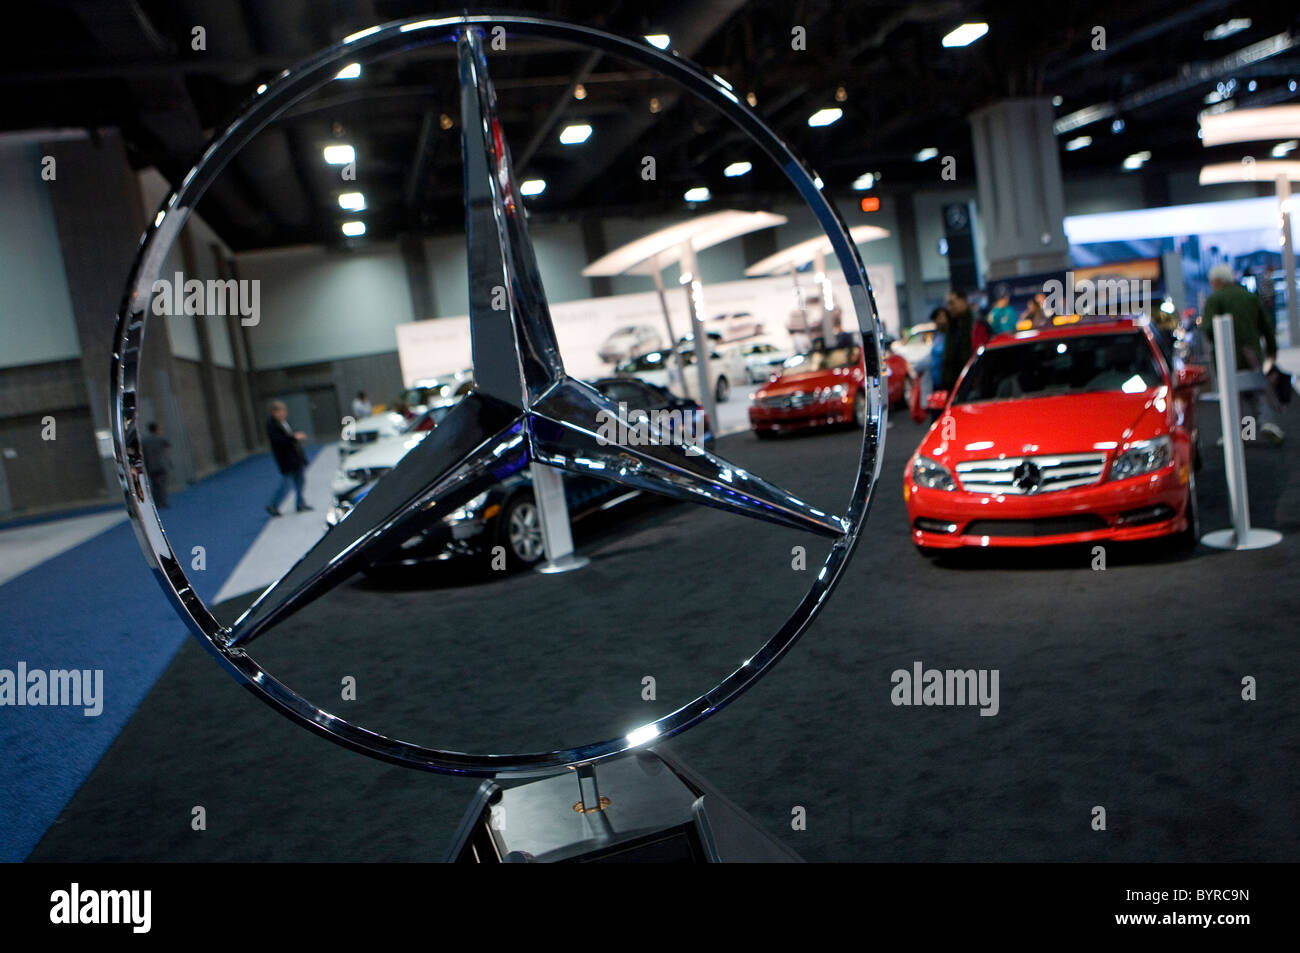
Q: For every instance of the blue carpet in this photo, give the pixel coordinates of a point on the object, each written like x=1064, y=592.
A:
x=97, y=606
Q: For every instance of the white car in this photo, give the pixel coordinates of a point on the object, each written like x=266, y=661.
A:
x=392, y=426
x=367, y=430
x=726, y=367
x=763, y=359
x=915, y=344
x=628, y=342
x=733, y=327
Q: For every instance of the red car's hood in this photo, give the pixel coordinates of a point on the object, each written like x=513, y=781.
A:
x=1073, y=423
x=807, y=380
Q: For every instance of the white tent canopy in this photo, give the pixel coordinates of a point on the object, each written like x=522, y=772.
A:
x=796, y=256
x=658, y=250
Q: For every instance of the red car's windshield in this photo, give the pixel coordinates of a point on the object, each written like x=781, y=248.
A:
x=824, y=360
x=1063, y=365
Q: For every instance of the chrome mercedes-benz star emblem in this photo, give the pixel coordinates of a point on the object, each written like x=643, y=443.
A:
x=1027, y=477
x=524, y=409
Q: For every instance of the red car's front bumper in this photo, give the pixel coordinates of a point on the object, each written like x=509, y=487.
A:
x=824, y=413
x=1137, y=508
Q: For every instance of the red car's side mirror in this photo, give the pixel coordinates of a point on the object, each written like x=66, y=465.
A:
x=937, y=400
x=1193, y=375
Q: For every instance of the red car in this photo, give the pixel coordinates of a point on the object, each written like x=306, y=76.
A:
x=821, y=389
x=1061, y=435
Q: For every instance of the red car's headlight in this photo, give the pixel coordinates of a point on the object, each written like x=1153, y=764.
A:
x=932, y=475
x=1144, y=456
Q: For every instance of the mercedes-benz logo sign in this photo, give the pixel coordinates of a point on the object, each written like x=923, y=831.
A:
x=524, y=408
x=1027, y=477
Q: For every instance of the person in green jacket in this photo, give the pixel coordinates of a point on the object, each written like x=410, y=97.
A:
x=1250, y=326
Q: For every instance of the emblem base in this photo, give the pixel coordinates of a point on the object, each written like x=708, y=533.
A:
x=658, y=812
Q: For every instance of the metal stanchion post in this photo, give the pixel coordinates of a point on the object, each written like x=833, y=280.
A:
x=1241, y=536
x=553, y=511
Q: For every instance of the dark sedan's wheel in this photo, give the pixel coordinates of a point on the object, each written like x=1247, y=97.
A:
x=520, y=532
x=860, y=409
x=722, y=391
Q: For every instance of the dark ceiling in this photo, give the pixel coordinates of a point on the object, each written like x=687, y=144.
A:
x=129, y=64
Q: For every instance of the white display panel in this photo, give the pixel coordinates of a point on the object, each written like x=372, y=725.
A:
x=441, y=345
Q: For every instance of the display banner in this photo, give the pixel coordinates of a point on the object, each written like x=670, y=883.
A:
x=441, y=346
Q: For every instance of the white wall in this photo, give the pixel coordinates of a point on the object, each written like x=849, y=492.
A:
x=319, y=305
x=36, y=320
x=181, y=330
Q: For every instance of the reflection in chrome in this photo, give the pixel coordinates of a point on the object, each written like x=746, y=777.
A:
x=523, y=409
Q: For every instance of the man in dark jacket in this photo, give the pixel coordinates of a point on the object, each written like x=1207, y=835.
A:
x=286, y=446
x=155, y=448
x=957, y=344
x=1251, y=326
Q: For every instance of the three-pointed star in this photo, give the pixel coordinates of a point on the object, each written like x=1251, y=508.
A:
x=524, y=408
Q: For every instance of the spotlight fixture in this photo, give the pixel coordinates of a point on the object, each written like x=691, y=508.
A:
x=1079, y=142
x=575, y=134
x=737, y=169
x=445, y=121
x=659, y=40
x=654, y=104
x=926, y=154
x=863, y=182
x=532, y=187
x=841, y=94
x=824, y=117
x=698, y=194
x=339, y=154
x=579, y=92
x=353, y=229
x=966, y=34
x=352, y=201
x=1136, y=160
x=351, y=71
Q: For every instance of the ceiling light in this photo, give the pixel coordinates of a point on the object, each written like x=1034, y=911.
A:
x=824, y=117
x=1136, y=160
x=1251, y=86
x=1212, y=97
x=352, y=201
x=445, y=121
x=926, y=154
x=1057, y=100
x=368, y=31
x=863, y=182
x=1278, y=123
x=751, y=99
x=575, y=134
x=1235, y=25
x=736, y=169
x=580, y=92
x=654, y=104
x=1079, y=142
x=659, y=40
x=351, y=71
x=1283, y=148
x=532, y=187
x=353, y=229
x=966, y=34
x=1117, y=126
x=339, y=155
x=698, y=194
x=818, y=182
x=841, y=94
x=261, y=89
